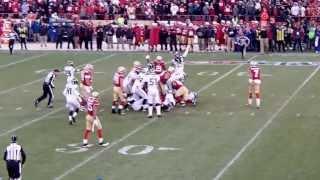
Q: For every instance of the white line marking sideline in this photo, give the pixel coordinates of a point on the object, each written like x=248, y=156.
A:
x=141, y=127
x=38, y=80
x=23, y=60
x=266, y=125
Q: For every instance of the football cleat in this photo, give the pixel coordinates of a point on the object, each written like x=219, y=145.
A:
x=103, y=144
x=36, y=103
x=149, y=116
x=114, y=111
x=50, y=106
x=85, y=145
x=195, y=99
x=70, y=123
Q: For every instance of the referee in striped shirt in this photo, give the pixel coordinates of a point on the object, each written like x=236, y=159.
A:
x=15, y=157
x=47, y=88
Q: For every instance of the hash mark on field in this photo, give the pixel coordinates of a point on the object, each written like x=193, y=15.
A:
x=187, y=112
x=79, y=165
x=18, y=108
x=313, y=96
x=230, y=113
x=1, y=107
x=266, y=125
x=26, y=91
x=298, y=115
x=252, y=114
x=208, y=113
x=213, y=94
x=233, y=95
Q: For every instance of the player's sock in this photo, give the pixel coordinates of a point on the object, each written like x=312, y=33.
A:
x=150, y=108
x=158, y=109
x=114, y=107
x=120, y=109
x=86, y=136
x=250, y=99
x=70, y=116
x=99, y=134
x=258, y=101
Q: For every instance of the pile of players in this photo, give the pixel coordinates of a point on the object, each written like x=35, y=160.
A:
x=152, y=87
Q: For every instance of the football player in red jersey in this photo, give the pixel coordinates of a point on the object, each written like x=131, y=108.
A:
x=159, y=65
x=86, y=76
x=92, y=120
x=119, y=101
x=181, y=93
x=254, y=83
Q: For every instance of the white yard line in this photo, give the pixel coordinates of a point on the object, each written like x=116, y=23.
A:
x=41, y=118
x=138, y=129
x=23, y=60
x=266, y=125
x=38, y=80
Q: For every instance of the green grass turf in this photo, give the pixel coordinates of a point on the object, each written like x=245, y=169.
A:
x=208, y=135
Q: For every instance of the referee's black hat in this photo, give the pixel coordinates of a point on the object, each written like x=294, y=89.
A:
x=14, y=138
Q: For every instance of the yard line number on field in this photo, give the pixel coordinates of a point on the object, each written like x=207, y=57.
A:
x=266, y=125
x=141, y=127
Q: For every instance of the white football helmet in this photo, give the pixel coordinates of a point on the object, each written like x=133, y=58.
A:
x=253, y=63
x=95, y=94
x=159, y=58
x=70, y=63
x=88, y=66
x=121, y=70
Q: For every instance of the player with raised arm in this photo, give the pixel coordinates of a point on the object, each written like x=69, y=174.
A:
x=69, y=70
x=254, y=72
x=86, y=88
x=92, y=120
x=119, y=101
x=152, y=82
x=73, y=100
x=178, y=64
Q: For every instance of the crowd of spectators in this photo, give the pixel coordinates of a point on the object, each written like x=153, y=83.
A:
x=270, y=25
x=159, y=36
x=162, y=9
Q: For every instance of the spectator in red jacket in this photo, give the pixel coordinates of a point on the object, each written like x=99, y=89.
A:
x=154, y=37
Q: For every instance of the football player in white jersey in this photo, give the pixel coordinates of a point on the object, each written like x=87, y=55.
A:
x=131, y=77
x=152, y=81
x=178, y=64
x=69, y=71
x=139, y=96
x=72, y=95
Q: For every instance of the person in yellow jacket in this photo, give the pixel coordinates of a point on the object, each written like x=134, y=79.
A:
x=23, y=34
x=280, y=38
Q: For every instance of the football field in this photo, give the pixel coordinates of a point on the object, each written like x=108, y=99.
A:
x=219, y=138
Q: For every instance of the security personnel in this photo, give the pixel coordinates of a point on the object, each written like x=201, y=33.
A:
x=15, y=157
x=23, y=32
x=12, y=38
x=47, y=88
